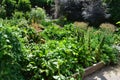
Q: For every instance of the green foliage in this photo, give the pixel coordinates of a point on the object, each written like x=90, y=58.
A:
x=61, y=21
x=60, y=57
x=33, y=36
x=117, y=34
x=2, y=12
x=37, y=14
x=118, y=23
x=24, y=5
x=11, y=53
x=55, y=52
x=41, y=3
x=9, y=6
x=18, y=15
x=53, y=60
x=54, y=32
x=114, y=9
x=46, y=4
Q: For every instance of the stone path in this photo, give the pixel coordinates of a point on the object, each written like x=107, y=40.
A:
x=107, y=73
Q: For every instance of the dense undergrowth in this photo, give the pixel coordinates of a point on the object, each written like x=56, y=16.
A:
x=34, y=47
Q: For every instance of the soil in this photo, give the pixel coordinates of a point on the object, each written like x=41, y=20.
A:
x=106, y=73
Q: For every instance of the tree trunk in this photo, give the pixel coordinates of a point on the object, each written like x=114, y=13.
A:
x=57, y=8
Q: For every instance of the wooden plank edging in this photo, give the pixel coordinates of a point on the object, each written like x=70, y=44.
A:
x=93, y=68
x=90, y=70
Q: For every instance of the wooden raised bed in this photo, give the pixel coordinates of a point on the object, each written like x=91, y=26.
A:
x=90, y=69
x=93, y=68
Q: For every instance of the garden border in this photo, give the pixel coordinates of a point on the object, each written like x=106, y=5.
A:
x=90, y=70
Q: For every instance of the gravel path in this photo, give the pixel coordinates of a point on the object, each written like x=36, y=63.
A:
x=107, y=73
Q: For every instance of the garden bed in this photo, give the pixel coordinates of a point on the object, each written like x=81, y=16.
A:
x=55, y=53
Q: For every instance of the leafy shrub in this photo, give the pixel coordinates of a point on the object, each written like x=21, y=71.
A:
x=118, y=23
x=9, y=6
x=41, y=3
x=114, y=10
x=46, y=4
x=53, y=61
x=54, y=32
x=117, y=37
x=18, y=15
x=33, y=36
x=37, y=14
x=24, y=5
x=93, y=9
x=61, y=21
x=2, y=12
x=11, y=53
x=83, y=10
x=70, y=9
x=117, y=34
